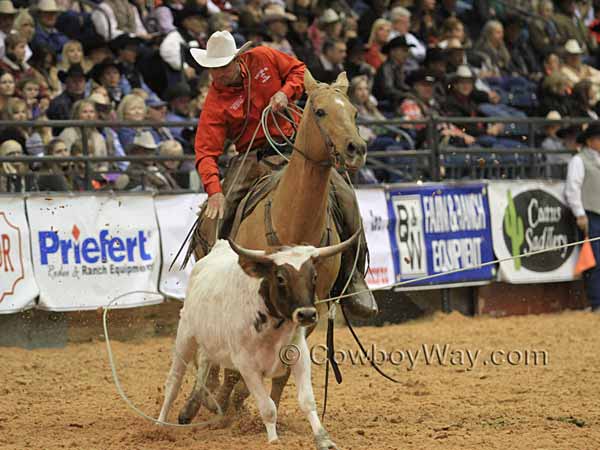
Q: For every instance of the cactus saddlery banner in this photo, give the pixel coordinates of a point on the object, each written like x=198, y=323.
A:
x=528, y=216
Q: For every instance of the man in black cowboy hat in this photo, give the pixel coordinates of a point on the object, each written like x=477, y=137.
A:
x=109, y=73
x=298, y=38
x=583, y=197
x=126, y=48
x=355, y=64
x=390, y=86
x=190, y=33
x=178, y=98
x=74, y=80
x=421, y=97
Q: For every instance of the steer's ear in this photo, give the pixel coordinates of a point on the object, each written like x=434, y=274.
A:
x=253, y=268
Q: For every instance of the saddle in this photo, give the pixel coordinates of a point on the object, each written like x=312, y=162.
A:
x=261, y=189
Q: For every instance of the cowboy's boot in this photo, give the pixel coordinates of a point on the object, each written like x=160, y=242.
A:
x=363, y=304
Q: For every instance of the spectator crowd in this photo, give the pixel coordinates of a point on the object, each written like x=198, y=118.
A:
x=121, y=60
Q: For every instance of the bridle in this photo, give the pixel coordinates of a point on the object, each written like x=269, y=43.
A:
x=335, y=159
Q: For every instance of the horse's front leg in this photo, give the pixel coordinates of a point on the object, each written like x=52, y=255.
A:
x=306, y=398
x=207, y=379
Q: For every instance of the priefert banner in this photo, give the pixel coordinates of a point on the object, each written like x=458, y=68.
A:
x=87, y=250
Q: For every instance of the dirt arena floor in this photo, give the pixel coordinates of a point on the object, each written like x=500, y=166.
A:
x=65, y=398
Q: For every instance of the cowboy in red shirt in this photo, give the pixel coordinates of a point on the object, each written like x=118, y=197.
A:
x=244, y=83
x=275, y=79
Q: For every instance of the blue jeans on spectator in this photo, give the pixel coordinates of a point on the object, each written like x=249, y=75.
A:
x=498, y=142
x=515, y=91
x=591, y=278
x=500, y=110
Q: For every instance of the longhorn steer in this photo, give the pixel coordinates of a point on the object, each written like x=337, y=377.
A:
x=242, y=308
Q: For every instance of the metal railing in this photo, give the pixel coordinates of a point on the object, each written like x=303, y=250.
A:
x=398, y=163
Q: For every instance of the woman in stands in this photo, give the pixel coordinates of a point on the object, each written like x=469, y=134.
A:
x=131, y=108
x=43, y=60
x=96, y=145
x=380, y=32
x=72, y=53
x=491, y=46
x=585, y=96
x=54, y=175
x=555, y=95
x=7, y=88
x=12, y=174
x=377, y=137
x=24, y=25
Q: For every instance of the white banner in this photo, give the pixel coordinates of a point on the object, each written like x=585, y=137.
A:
x=176, y=215
x=18, y=288
x=529, y=216
x=374, y=212
x=87, y=250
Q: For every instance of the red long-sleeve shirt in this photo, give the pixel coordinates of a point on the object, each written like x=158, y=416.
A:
x=225, y=107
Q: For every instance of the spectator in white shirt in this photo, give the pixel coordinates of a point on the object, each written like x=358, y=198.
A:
x=191, y=33
x=583, y=197
x=400, y=18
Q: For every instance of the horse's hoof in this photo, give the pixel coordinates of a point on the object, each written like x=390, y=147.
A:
x=324, y=442
x=209, y=403
x=327, y=444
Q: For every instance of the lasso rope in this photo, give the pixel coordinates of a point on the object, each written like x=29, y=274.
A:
x=479, y=266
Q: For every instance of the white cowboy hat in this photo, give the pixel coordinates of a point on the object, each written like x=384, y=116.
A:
x=573, y=48
x=99, y=99
x=329, y=16
x=6, y=7
x=553, y=115
x=275, y=12
x=220, y=50
x=463, y=71
x=10, y=147
x=47, y=6
x=145, y=140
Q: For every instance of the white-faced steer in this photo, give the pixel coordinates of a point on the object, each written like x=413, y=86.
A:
x=242, y=307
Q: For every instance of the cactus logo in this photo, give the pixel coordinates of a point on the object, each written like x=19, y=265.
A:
x=536, y=220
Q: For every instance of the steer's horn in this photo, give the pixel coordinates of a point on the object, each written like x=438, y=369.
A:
x=254, y=255
x=331, y=250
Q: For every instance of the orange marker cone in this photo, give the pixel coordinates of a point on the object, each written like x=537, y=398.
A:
x=586, y=259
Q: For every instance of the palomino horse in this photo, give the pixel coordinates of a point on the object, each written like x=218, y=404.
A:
x=327, y=138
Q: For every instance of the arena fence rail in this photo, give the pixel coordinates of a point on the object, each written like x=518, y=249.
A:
x=436, y=159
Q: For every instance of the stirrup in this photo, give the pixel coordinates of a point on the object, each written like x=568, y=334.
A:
x=363, y=305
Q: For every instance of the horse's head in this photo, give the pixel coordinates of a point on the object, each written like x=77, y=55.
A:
x=335, y=117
